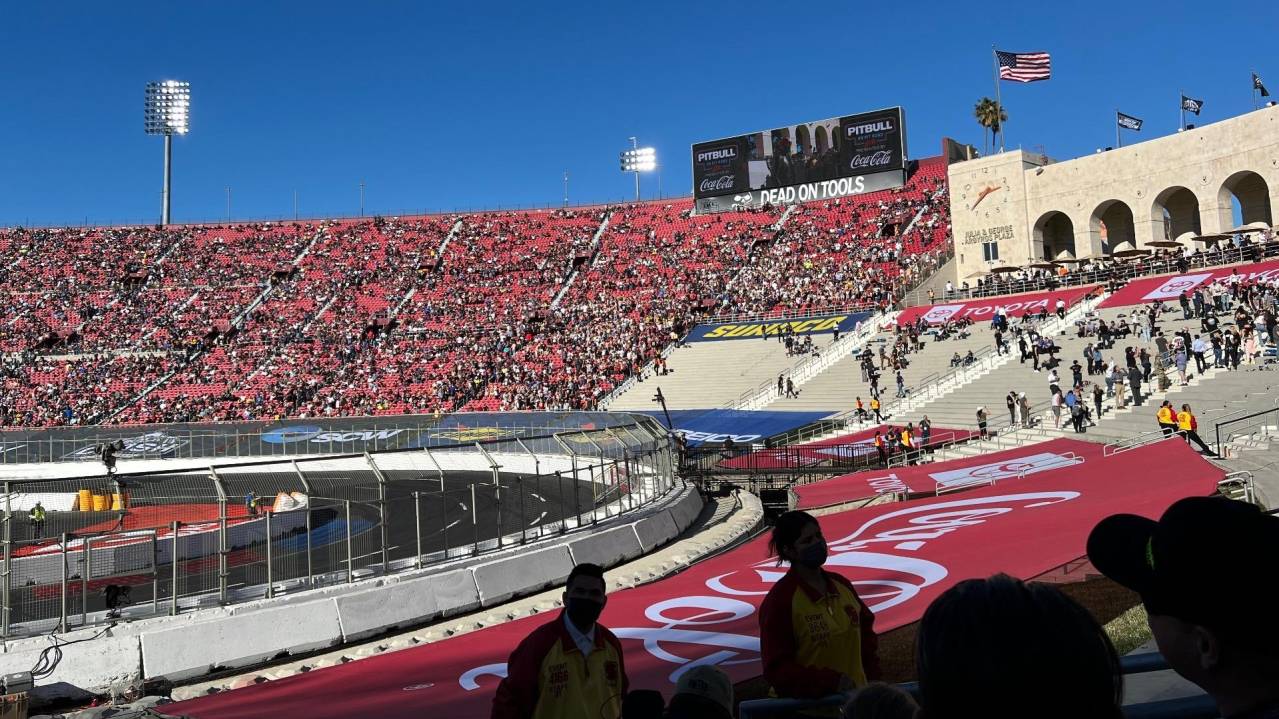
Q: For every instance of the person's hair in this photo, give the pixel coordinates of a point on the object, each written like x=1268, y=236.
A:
x=787, y=529
x=643, y=704
x=1000, y=647
x=586, y=569
x=878, y=700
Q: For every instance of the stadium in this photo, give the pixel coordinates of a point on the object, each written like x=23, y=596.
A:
x=345, y=466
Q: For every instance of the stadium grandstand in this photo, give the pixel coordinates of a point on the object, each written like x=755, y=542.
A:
x=846, y=431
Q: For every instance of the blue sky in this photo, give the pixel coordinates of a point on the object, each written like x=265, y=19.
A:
x=437, y=106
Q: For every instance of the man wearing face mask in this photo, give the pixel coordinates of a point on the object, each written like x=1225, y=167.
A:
x=816, y=635
x=570, y=667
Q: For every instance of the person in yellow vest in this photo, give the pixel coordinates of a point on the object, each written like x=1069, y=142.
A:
x=37, y=517
x=874, y=408
x=908, y=443
x=861, y=410
x=1166, y=418
x=879, y=448
x=816, y=635
x=1187, y=427
x=571, y=667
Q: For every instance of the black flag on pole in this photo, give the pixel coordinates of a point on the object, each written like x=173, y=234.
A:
x=1256, y=85
x=1190, y=104
x=1128, y=122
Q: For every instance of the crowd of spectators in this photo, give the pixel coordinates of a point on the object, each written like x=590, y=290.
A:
x=502, y=310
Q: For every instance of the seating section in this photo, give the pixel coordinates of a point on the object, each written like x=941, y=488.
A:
x=489, y=311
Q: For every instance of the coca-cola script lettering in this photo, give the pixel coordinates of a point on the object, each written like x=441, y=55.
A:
x=711, y=184
x=883, y=158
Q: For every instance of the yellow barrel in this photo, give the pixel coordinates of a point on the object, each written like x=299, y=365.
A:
x=117, y=502
x=85, y=500
x=100, y=503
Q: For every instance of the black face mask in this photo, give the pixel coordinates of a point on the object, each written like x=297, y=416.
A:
x=812, y=556
x=583, y=613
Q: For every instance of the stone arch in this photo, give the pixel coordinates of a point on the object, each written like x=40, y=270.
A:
x=1175, y=211
x=820, y=143
x=1111, y=227
x=1055, y=236
x=1252, y=193
x=803, y=140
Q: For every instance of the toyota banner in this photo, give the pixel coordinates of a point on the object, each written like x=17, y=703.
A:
x=820, y=160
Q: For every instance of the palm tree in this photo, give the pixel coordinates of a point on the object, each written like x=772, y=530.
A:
x=991, y=116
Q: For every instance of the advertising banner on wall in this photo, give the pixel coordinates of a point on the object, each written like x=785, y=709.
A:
x=772, y=328
x=741, y=425
x=820, y=160
x=1170, y=287
x=983, y=309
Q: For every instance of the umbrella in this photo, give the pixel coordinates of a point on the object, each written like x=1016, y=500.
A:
x=1210, y=238
x=1042, y=266
x=1126, y=254
x=1004, y=269
x=1248, y=228
x=1164, y=243
x=1072, y=261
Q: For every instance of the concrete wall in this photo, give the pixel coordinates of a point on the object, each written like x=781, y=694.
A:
x=1009, y=196
x=196, y=643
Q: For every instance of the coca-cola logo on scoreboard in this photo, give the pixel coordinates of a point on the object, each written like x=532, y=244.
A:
x=716, y=167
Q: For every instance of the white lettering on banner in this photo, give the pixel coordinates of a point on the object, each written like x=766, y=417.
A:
x=813, y=191
x=1174, y=286
x=983, y=473
x=867, y=128
x=878, y=159
x=726, y=153
x=893, y=579
x=470, y=680
x=724, y=182
x=890, y=483
x=149, y=443
x=716, y=437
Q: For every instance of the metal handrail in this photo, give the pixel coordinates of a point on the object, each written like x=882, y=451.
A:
x=1145, y=439
x=1222, y=423
x=1244, y=479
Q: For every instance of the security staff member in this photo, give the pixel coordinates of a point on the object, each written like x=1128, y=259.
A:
x=874, y=408
x=570, y=667
x=1166, y=418
x=1187, y=426
x=879, y=447
x=36, y=517
x=908, y=445
x=816, y=635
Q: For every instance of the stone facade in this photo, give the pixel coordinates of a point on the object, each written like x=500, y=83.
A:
x=1173, y=187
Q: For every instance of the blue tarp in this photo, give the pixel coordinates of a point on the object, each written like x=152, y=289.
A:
x=717, y=425
x=824, y=324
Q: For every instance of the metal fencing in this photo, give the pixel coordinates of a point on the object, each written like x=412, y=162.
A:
x=164, y=542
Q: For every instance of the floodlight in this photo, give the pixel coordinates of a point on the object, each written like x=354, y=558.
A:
x=167, y=112
x=637, y=160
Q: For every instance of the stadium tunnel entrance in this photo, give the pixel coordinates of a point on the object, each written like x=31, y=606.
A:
x=1247, y=192
x=1176, y=212
x=1111, y=227
x=1055, y=236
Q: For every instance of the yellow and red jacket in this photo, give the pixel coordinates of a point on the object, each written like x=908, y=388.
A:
x=809, y=639
x=1165, y=416
x=1186, y=421
x=547, y=677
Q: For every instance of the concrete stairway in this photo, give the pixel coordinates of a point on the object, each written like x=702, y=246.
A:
x=714, y=374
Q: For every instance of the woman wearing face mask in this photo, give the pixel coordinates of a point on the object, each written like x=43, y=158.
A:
x=816, y=635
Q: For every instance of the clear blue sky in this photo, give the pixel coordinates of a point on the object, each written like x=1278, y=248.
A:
x=453, y=105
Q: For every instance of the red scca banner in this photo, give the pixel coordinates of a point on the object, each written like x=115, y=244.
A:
x=900, y=556
x=985, y=308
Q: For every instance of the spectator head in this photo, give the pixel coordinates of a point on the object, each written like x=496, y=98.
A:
x=1197, y=573
x=703, y=691
x=1000, y=647
x=878, y=700
x=584, y=595
x=643, y=704
x=797, y=539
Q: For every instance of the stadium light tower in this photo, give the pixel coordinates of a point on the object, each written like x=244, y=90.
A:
x=168, y=113
x=638, y=159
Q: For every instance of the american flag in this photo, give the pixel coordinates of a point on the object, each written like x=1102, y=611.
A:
x=1024, y=66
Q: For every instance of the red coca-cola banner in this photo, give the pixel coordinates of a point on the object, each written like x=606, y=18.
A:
x=983, y=309
x=1053, y=455
x=900, y=556
x=847, y=448
x=1169, y=287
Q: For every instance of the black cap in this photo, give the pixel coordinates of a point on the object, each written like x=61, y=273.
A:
x=1208, y=560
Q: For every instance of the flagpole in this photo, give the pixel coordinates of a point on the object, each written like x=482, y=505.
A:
x=1118, y=140
x=1254, y=89
x=999, y=103
x=1181, y=104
